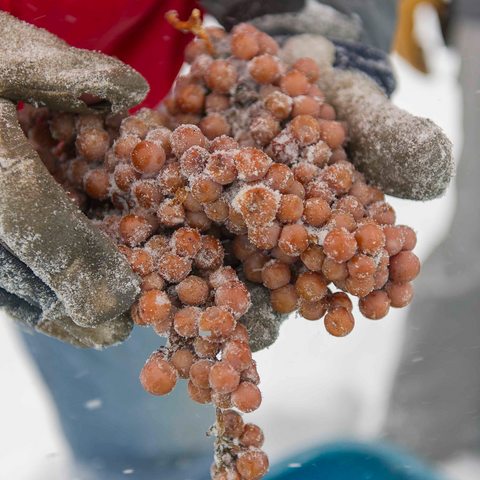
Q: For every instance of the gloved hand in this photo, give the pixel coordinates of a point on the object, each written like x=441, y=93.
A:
x=58, y=273
x=406, y=156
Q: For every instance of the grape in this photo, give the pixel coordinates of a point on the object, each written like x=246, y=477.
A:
x=252, y=164
x=141, y=262
x=134, y=229
x=199, y=373
x=233, y=423
x=252, y=436
x=359, y=287
x=153, y=281
x=223, y=378
x=305, y=105
x=174, y=268
x=308, y=67
x=147, y=193
x=278, y=104
x=97, y=184
x=247, y=397
x=409, y=236
x=375, y=305
x=311, y=286
x=370, y=238
x=186, y=321
x=185, y=137
x=148, y=157
x=340, y=299
x=253, y=464
x=237, y=354
x=341, y=220
x=332, y=134
x=311, y=310
x=204, y=348
x=216, y=102
x=305, y=129
x=317, y=211
x=92, y=143
x=275, y=274
x=294, y=83
x=250, y=374
x=349, y=204
x=234, y=297
x=186, y=242
x=220, y=76
x=214, y=125
x=243, y=248
x=133, y=126
x=211, y=254
x=284, y=299
x=404, y=267
x=161, y=136
x=279, y=177
x=191, y=99
x=333, y=270
x=171, y=213
x=217, y=323
x=240, y=334
x=265, y=237
x=264, y=69
x=244, y=45
x=193, y=290
x=290, y=209
x=339, y=322
x=183, y=360
x=258, y=205
x=293, y=239
x=361, y=266
x=338, y=177
x=267, y=44
x=400, y=294
x=154, y=306
x=158, y=376
x=382, y=213
x=313, y=258
x=264, y=128
x=199, y=395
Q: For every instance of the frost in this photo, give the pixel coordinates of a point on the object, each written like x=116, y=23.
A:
x=94, y=404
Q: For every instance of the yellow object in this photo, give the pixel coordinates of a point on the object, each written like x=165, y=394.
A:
x=405, y=43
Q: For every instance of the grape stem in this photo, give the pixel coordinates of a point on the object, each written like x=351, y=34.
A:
x=193, y=25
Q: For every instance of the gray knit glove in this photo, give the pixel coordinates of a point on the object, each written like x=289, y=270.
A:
x=58, y=273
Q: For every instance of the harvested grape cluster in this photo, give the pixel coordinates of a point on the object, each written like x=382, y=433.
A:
x=242, y=168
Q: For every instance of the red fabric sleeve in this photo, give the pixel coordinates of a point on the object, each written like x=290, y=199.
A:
x=135, y=31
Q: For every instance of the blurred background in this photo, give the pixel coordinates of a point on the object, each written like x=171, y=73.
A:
x=319, y=388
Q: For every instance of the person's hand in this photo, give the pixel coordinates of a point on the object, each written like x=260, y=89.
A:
x=406, y=156
x=58, y=273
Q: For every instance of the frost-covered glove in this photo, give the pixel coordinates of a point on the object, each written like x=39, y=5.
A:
x=58, y=273
x=404, y=155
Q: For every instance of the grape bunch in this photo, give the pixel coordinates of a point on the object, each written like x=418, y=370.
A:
x=241, y=172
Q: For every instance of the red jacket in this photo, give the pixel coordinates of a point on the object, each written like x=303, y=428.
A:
x=135, y=31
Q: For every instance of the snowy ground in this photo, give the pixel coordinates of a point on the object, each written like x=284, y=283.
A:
x=343, y=384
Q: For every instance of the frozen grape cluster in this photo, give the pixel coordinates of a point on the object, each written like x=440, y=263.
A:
x=242, y=168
